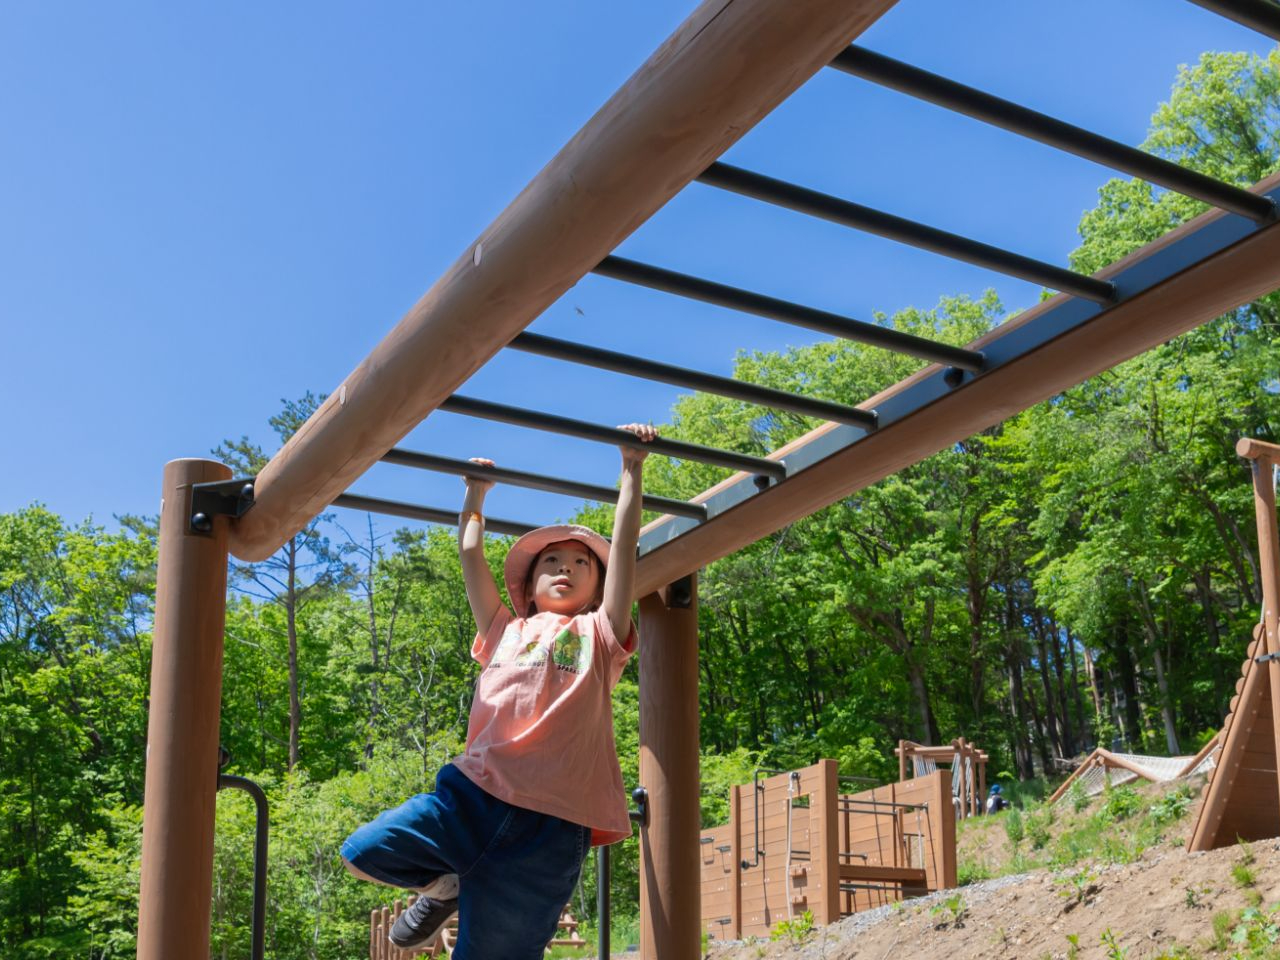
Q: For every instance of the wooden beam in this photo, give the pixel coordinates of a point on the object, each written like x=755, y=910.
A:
x=1208, y=287
x=724, y=69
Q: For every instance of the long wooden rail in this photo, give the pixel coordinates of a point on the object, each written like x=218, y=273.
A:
x=724, y=69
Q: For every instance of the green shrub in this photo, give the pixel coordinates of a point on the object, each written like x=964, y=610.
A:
x=796, y=930
x=1037, y=827
x=1120, y=803
x=1171, y=807
x=1013, y=827
x=971, y=871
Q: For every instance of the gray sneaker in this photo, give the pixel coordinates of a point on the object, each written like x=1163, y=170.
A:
x=420, y=925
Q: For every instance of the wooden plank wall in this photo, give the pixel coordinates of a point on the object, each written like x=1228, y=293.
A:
x=826, y=831
x=921, y=838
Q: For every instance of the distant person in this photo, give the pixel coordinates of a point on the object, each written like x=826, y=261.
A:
x=995, y=799
x=501, y=841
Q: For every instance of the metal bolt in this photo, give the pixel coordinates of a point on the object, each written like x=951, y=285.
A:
x=201, y=522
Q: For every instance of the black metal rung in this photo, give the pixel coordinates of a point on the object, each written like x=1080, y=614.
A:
x=849, y=214
x=708, y=291
x=693, y=379
x=484, y=409
x=413, y=511
x=913, y=81
x=1259, y=15
x=534, y=481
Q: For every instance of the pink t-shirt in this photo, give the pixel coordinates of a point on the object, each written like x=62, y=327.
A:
x=541, y=729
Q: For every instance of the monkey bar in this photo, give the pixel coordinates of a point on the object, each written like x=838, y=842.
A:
x=728, y=66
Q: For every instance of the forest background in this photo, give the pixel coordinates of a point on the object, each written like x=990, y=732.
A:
x=1085, y=573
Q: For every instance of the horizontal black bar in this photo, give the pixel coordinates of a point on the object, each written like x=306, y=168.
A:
x=1065, y=136
x=694, y=379
x=1260, y=15
x=622, y=438
x=534, y=481
x=412, y=511
x=849, y=214
x=833, y=324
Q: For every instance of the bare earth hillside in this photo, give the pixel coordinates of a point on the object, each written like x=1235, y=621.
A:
x=1137, y=894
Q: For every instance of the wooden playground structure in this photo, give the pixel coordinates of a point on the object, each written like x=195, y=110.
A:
x=795, y=843
x=1242, y=796
x=1103, y=769
x=968, y=766
x=722, y=71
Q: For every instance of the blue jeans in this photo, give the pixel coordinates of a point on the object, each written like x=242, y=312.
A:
x=516, y=868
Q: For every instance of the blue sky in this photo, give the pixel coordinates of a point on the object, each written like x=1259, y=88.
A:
x=207, y=208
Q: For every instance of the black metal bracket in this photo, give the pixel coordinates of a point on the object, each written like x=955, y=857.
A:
x=640, y=815
x=225, y=498
x=680, y=594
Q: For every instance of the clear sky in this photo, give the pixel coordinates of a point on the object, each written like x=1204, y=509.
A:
x=206, y=208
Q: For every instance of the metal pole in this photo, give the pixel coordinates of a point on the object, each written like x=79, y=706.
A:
x=182, y=727
x=261, y=834
x=603, y=920
x=622, y=438
x=695, y=288
x=534, y=481
x=849, y=214
x=411, y=511
x=1257, y=15
x=693, y=379
x=922, y=84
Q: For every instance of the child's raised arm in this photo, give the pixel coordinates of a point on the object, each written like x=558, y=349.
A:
x=482, y=592
x=620, y=577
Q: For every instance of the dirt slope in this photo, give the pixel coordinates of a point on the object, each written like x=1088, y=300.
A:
x=1163, y=902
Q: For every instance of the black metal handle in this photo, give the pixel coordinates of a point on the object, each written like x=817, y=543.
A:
x=229, y=782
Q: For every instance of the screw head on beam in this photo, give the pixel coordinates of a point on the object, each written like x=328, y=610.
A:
x=201, y=522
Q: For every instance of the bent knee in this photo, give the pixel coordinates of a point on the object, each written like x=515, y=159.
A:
x=360, y=874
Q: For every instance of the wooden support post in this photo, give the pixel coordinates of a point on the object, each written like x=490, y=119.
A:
x=670, y=901
x=735, y=851
x=824, y=844
x=902, y=761
x=942, y=833
x=182, y=730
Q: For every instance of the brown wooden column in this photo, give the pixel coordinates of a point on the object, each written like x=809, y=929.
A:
x=670, y=896
x=182, y=730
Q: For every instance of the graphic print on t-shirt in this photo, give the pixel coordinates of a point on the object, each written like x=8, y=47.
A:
x=572, y=652
x=568, y=650
x=516, y=650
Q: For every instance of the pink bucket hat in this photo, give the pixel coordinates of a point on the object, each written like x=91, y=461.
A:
x=524, y=552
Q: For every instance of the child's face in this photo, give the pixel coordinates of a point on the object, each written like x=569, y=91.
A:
x=566, y=578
